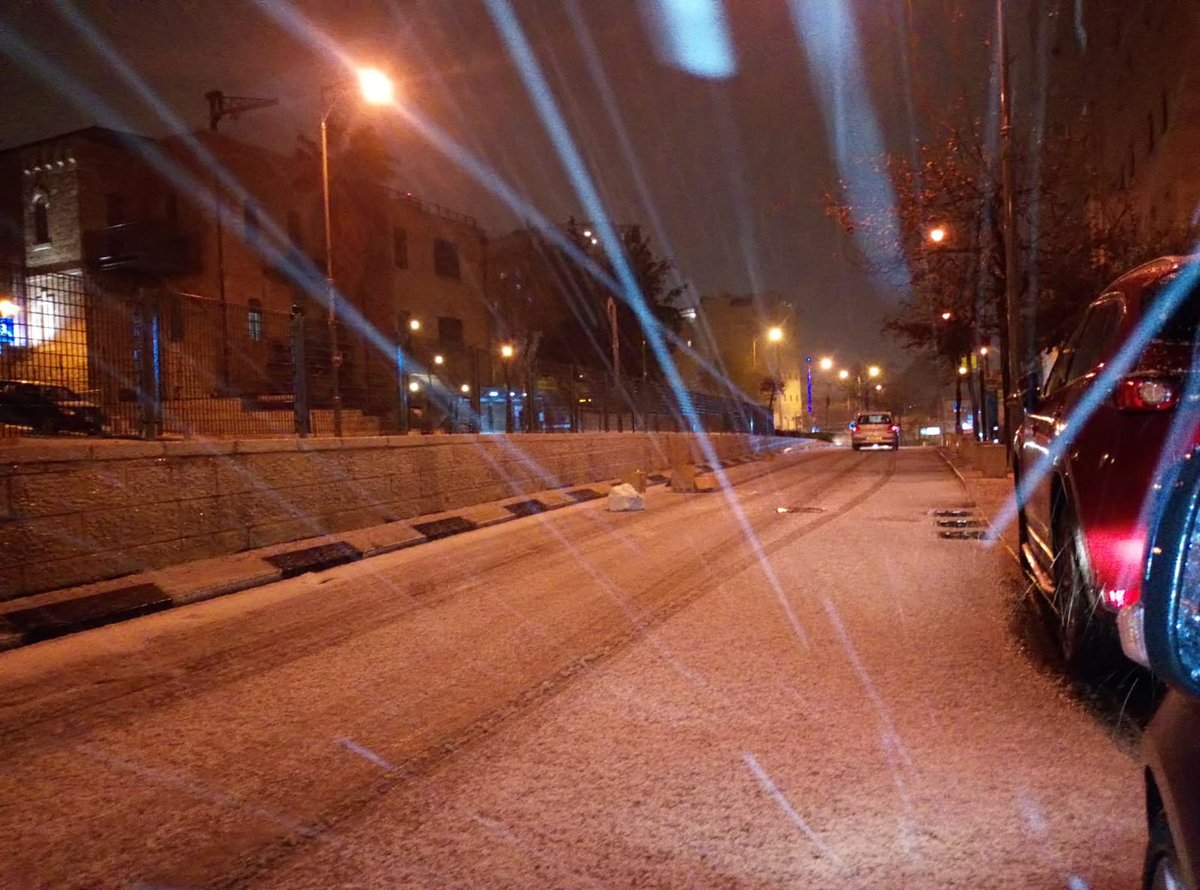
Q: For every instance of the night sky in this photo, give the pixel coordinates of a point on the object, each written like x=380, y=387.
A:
x=734, y=167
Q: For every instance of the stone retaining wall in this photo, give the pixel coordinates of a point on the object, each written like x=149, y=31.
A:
x=73, y=512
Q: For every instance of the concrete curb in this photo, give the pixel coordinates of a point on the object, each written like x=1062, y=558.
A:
x=70, y=610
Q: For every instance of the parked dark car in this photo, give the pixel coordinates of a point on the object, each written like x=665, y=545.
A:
x=1162, y=631
x=48, y=408
x=878, y=429
x=1089, y=448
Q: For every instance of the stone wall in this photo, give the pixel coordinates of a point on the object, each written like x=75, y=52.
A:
x=73, y=512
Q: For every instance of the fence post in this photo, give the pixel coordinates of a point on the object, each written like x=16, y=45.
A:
x=301, y=418
x=146, y=366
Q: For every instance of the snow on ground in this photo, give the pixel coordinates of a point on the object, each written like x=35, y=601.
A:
x=900, y=739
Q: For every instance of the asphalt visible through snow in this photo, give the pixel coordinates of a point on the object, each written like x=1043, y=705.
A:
x=712, y=693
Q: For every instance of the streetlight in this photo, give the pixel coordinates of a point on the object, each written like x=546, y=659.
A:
x=962, y=372
x=984, y=421
x=937, y=234
x=375, y=88
x=506, y=353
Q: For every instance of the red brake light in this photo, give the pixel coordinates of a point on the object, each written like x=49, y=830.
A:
x=1147, y=394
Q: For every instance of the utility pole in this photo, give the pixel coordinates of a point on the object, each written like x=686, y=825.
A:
x=1015, y=361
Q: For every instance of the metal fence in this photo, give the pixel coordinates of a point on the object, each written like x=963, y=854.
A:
x=80, y=356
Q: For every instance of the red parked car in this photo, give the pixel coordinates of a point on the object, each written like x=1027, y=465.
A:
x=1089, y=449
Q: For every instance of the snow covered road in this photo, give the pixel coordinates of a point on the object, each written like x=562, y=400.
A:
x=712, y=693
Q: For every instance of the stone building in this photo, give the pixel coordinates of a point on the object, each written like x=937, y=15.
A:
x=209, y=246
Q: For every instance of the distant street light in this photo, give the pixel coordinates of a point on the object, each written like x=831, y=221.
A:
x=826, y=364
x=937, y=234
x=874, y=371
x=439, y=359
x=947, y=315
x=413, y=386
x=507, y=352
x=375, y=88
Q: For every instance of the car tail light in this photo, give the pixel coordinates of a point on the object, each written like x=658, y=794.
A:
x=1147, y=394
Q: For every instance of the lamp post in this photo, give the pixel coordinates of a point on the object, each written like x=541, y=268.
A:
x=826, y=365
x=375, y=88
x=962, y=372
x=506, y=354
x=872, y=372
x=984, y=424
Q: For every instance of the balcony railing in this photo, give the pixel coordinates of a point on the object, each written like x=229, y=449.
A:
x=144, y=248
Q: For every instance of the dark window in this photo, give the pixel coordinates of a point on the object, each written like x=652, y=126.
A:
x=175, y=319
x=1062, y=363
x=254, y=321
x=1180, y=326
x=295, y=233
x=400, y=248
x=250, y=222
x=445, y=258
x=114, y=209
x=450, y=330
x=1097, y=340
x=41, y=220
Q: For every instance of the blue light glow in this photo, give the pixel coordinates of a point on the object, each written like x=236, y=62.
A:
x=693, y=36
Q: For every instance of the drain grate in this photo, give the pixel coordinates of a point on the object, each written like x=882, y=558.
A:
x=966, y=534
x=584, y=494
x=961, y=523
x=444, y=528
x=58, y=619
x=314, y=559
x=953, y=513
x=526, y=508
x=799, y=510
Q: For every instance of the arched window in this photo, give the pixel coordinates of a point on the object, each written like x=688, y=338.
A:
x=41, y=219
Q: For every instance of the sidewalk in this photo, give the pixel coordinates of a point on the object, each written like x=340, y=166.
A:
x=990, y=496
x=69, y=610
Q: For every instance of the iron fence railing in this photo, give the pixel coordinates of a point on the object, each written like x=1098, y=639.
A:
x=83, y=355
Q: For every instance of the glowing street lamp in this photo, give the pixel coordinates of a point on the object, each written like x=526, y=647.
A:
x=439, y=359
x=375, y=88
x=507, y=352
x=874, y=371
x=826, y=364
x=937, y=234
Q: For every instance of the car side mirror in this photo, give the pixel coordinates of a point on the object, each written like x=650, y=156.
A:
x=1171, y=587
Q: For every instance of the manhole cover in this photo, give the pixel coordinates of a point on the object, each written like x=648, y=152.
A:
x=953, y=512
x=961, y=523
x=799, y=510
x=973, y=534
x=526, y=508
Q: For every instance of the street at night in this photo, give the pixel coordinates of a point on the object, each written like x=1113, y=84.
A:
x=794, y=682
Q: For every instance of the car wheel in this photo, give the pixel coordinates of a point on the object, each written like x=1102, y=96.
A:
x=1081, y=635
x=1162, y=862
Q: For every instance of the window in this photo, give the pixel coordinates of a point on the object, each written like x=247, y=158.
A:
x=445, y=258
x=295, y=233
x=1096, y=339
x=41, y=220
x=450, y=330
x=250, y=224
x=254, y=321
x=114, y=209
x=400, y=248
x=175, y=318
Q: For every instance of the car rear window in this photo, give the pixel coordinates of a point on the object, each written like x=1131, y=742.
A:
x=874, y=418
x=1180, y=326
